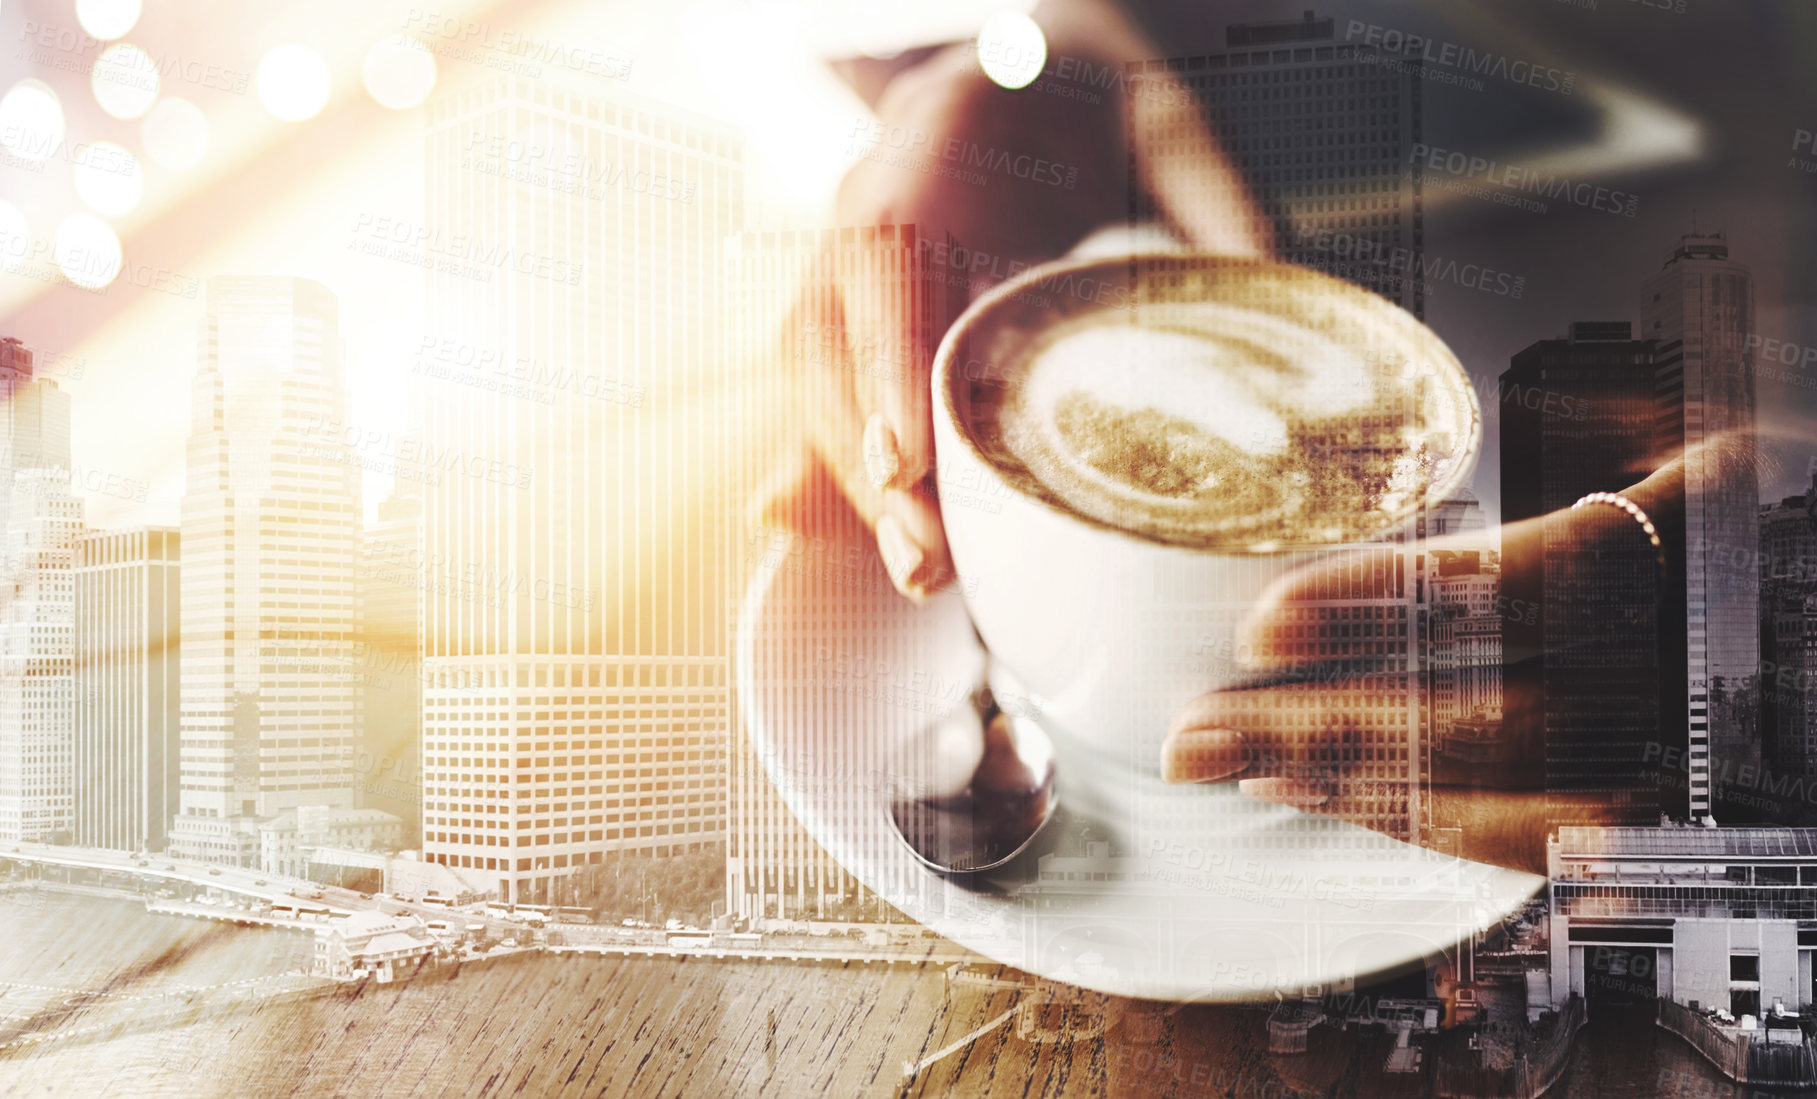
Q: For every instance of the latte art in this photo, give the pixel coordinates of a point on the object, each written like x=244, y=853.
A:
x=1266, y=407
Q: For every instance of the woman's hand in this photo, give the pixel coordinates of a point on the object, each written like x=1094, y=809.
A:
x=1235, y=734
x=868, y=406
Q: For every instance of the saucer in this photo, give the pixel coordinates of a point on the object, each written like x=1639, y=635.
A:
x=1137, y=888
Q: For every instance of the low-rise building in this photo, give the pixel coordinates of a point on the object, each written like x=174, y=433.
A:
x=372, y=944
x=1706, y=917
x=288, y=840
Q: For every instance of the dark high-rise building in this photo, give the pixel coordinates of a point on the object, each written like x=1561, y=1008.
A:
x=1582, y=632
x=1788, y=635
x=1322, y=132
x=1698, y=311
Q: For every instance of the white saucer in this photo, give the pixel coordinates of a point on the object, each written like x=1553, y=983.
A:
x=1146, y=890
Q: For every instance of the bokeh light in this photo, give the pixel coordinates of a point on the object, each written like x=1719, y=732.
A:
x=1011, y=49
x=125, y=81
x=107, y=19
x=399, y=72
x=293, y=82
x=15, y=237
x=175, y=134
x=31, y=121
x=87, y=251
x=109, y=178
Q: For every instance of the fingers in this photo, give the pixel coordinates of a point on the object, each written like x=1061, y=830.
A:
x=809, y=498
x=892, y=360
x=1272, y=639
x=845, y=454
x=1203, y=755
x=1196, y=188
x=1299, y=731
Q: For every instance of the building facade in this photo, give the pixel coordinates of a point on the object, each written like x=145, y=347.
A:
x=288, y=840
x=1699, y=313
x=270, y=530
x=575, y=694
x=127, y=640
x=387, y=765
x=39, y=523
x=1711, y=917
x=1584, y=636
x=1322, y=132
x=372, y=945
x=1788, y=634
x=37, y=658
x=774, y=868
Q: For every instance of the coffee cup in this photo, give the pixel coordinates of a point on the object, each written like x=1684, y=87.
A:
x=1131, y=450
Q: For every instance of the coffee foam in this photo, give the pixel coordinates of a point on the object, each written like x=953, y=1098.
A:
x=1276, y=416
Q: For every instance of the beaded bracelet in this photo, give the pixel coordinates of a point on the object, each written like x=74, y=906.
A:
x=1633, y=511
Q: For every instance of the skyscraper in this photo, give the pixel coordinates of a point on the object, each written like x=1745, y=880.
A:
x=39, y=522
x=1699, y=311
x=575, y=696
x=270, y=534
x=34, y=420
x=1788, y=634
x=37, y=688
x=1322, y=133
x=127, y=635
x=1582, y=634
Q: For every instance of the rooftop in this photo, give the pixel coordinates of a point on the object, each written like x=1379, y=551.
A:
x=1688, y=842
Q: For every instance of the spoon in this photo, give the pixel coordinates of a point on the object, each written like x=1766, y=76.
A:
x=971, y=792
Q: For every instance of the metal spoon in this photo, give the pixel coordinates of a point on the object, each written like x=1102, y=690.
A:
x=954, y=824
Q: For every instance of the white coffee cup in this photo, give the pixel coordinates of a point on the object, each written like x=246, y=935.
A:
x=1100, y=634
